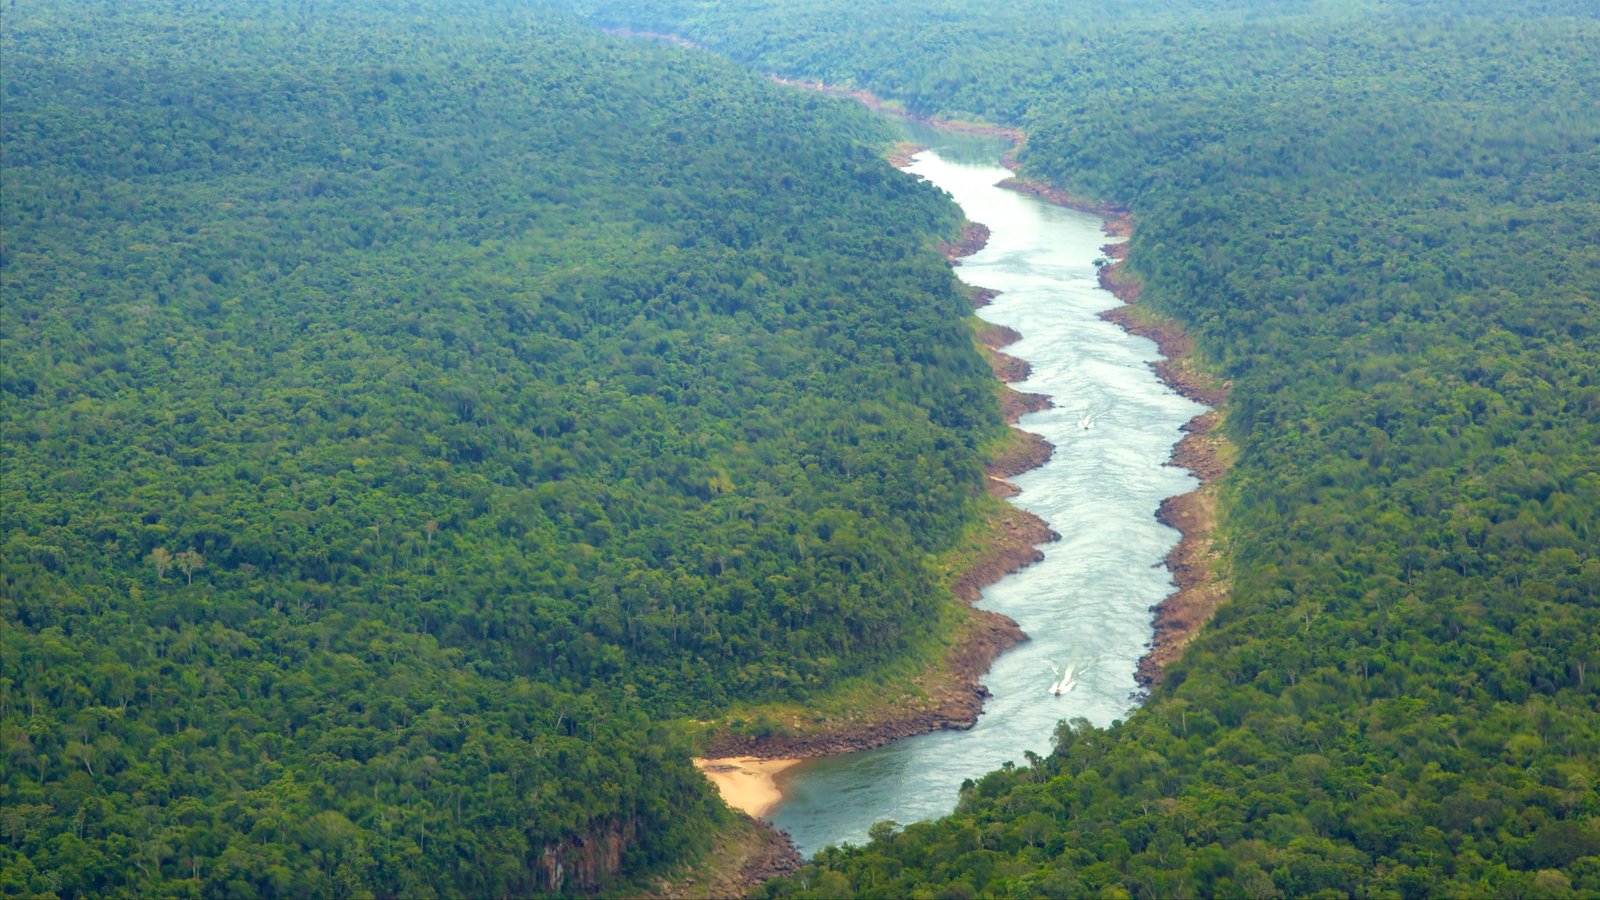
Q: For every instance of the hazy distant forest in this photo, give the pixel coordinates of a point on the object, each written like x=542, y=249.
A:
x=414, y=414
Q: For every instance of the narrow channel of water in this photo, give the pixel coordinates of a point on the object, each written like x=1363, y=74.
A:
x=1087, y=604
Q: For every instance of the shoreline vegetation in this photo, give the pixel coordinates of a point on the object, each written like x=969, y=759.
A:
x=744, y=853
x=949, y=695
x=744, y=767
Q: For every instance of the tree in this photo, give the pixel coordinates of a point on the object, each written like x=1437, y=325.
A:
x=162, y=559
x=189, y=561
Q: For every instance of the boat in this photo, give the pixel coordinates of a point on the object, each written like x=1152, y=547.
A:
x=1063, y=682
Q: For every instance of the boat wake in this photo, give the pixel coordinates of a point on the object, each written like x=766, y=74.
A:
x=1068, y=678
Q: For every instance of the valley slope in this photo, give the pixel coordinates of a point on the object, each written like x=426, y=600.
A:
x=415, y=413
x=1379, y=222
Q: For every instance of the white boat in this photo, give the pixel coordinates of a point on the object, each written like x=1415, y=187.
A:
x=1085, y=420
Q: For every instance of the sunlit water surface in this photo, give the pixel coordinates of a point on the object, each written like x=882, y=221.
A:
x=1088, y=602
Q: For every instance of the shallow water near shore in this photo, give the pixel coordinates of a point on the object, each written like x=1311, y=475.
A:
x=1087, y=604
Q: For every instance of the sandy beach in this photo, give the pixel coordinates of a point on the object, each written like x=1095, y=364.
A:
x=746, y=783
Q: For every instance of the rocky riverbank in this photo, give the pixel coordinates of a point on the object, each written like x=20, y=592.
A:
x=1196, y=561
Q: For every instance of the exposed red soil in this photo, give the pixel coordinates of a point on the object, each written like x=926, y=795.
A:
x=1200, y=451
x=1180, y=615
x=1118, y=221
x=996, y=336
x=1028, y=453
x=1192, y=561
x=1177, y=369
x=1016, y=404
x=973, y=236
x=982, y=297
x=1008, y=368
x=901, y=154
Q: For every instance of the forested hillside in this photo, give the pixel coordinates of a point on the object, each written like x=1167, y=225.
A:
x=408, y=408
x=1381, y=221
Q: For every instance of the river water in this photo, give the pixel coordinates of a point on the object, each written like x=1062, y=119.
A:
x=1088, y=602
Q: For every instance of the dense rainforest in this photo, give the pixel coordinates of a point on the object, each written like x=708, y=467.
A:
x=1381, y=222
x=411, y=410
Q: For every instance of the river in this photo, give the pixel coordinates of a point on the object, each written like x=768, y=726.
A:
x=1088, y=602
